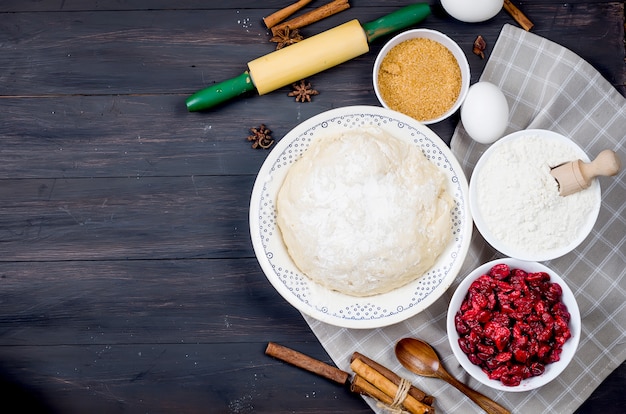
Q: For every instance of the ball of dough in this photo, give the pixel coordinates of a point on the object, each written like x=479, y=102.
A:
x=364, y=212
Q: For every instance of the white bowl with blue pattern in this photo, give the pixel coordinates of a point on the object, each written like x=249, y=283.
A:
x=330, y=306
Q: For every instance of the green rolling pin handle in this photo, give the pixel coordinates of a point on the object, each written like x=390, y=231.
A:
x=398, y=20
x=220, y=92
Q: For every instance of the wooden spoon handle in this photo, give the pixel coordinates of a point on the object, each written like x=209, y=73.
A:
x=483, y=402
x=606, y=164
x=577, y=175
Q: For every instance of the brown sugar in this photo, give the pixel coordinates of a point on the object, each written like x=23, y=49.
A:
x=420, y=78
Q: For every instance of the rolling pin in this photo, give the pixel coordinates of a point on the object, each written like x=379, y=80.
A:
x=577, y=175
x=307, y=57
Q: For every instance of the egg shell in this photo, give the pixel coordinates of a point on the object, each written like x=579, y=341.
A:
x=485, y=112
x=472, y=11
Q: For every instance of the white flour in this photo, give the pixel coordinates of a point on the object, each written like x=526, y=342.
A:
x=519, y=199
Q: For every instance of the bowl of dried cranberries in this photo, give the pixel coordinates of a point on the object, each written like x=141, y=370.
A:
x=513, y=325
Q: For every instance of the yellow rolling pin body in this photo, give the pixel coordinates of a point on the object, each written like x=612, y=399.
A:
x=308, y=57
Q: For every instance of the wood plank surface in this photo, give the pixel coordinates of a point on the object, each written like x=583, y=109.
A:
x=110, y=52
x=145, y=301
x=128, y=282
x=126, y=218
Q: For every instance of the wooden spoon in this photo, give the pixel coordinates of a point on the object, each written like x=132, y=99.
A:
x=420, y=358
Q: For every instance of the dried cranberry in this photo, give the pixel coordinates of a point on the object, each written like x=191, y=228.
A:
x=511, y=380
x=537, y=278
x=466, y=346
x=497, y=373
x=560, y=310
x=554, y=356
x=479, y=300
x=542, y=351
x=486, y=349
x=544, y=335
x=559, y=341
x=501, y=319
x=554, y=293
x=474, y=359
x=459, y=324
x=521, y=355
x=503, y=357
x=500, y=335
x=483, y=356
x=500, y=271
x=537, y=368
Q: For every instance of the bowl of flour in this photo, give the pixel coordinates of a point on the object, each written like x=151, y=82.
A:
x=515, y=201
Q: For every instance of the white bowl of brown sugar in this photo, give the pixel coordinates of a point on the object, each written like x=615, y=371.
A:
x=422, y=73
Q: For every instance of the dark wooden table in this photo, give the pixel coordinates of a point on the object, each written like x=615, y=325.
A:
x=128, y=282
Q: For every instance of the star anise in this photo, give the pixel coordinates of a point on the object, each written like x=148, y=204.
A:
x=285, y=37
x=303, y=91
x=261, y=137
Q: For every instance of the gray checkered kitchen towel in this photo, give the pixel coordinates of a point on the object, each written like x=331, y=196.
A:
x=547, y=87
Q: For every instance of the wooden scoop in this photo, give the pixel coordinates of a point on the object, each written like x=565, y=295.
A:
x=577, y=175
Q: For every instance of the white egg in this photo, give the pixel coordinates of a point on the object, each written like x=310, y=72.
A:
x=485, y=112
x=472, y=11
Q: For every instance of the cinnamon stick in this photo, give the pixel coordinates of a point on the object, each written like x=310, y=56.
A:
x=307, y=363
x=361, y=386
x=386, y=386
x=280, y=15
x=415, y=392
x=313, y=16
x=517, y=15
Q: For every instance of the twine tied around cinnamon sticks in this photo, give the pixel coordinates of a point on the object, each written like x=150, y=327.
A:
x=393, y=393
x=403, y=391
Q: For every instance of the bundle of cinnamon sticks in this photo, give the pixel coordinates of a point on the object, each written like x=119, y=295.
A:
x=275, y=22
x=370, y=378
x=377, y=381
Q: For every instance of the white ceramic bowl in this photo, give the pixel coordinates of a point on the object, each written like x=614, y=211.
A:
x=563, y=244
x=445, y=41
x=330, y=306
x=552, y=370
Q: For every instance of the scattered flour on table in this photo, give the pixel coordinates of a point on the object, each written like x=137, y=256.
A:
x=519, y=199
